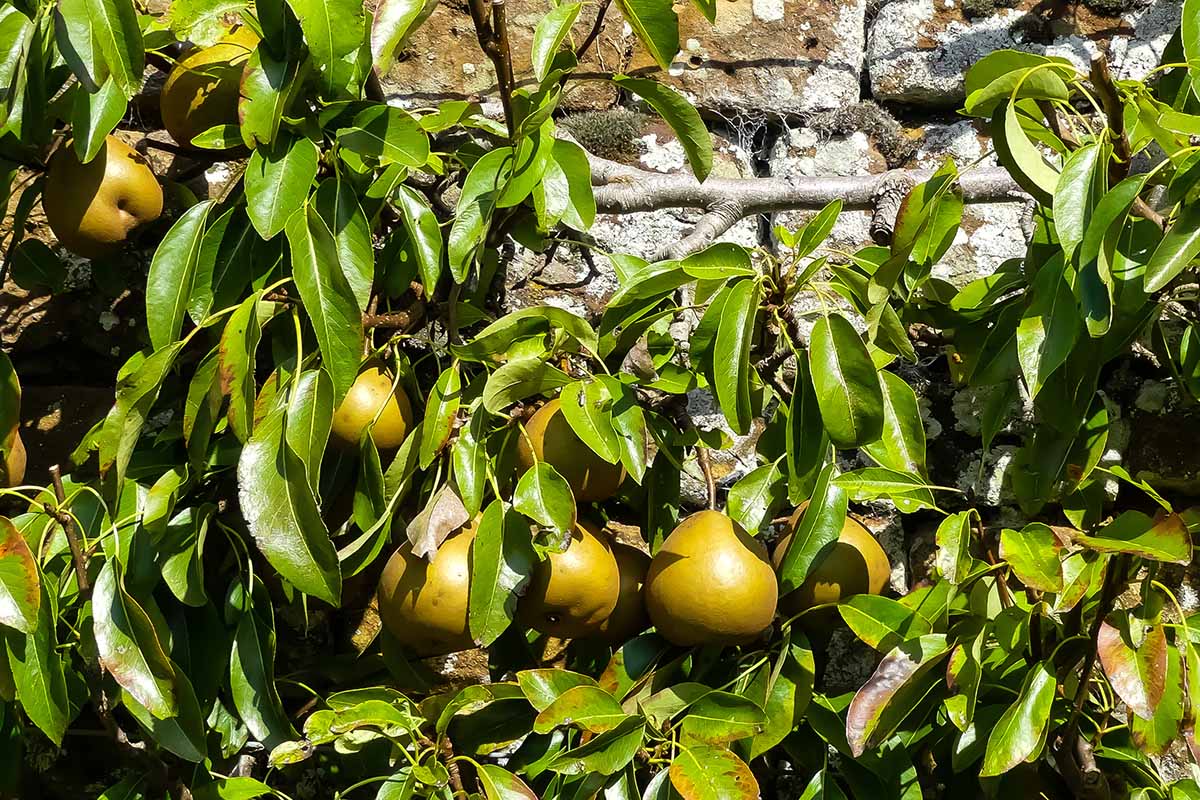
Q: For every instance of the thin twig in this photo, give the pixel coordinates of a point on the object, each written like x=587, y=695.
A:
x=709, y=481
x=68, y=525
x=1006, y=599
x=594, y=33
x=452, y=769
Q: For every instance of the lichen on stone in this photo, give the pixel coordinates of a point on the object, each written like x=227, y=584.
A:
x=871, y=119
x=614, y=134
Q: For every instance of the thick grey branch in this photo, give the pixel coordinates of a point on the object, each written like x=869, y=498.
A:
x=622, y=189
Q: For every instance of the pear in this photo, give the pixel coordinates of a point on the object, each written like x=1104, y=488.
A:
x=92, y=208
x=628, y=617
x=572, y=593
x=551, y=439
x=710, y=583
x=203, y=88
x=370, y=392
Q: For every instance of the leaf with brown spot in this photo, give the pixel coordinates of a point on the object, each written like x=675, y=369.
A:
x=1163, y=538
x=1137, y=676
x=587, y=707
x=902, y=679
x=704, y=772
x=20, y=586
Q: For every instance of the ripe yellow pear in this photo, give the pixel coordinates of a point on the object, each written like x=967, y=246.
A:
x=370, y=392
x=572, y=593
x=554, y=441
x=425, y=605
x=854, y=564
x=628, y=617
x=93, y=207
x=710, y=583
x=203, y=88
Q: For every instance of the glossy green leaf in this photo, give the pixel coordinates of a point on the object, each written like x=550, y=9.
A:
x=542, y=687
x=502, y=560
x=1049, y=326
x=909, y=492
x=755, y=498
x=394, y=22
x=277, y=181
x=1020, y=156
x=605, y=754
x=172, y=275
x=807, y=443
x=588, y=708
x=551, y=30
x=953, y=539
x=820, y=525
x=235, y=365
x=252, y=677
x=1033, y=555
x=587, y=407
x=500, y=784
x=784, y=693
x=269, y=89
x=129, y=648
x=423, y=230
x=731, y=355
x=94, y=115
x=881, y=622
x=993, y=79
x=473, y=213
x=470, y=459
x=337, y=205
x=656, y=26
x=673, y=107
x=1075, y=194
x=543, y=495
x=705, y=772
x=720, y=717
x=1019, y=733
x=1135, y=533
x=1178, y=248
x=182, y=734
x=846, y=382
x=39, y=677
x=334, y=31
x=119, y=40
x=519, y=379
x=327, y=296
x=441, y=410
x=390, y=135
x=902, y=444
x=964, y=673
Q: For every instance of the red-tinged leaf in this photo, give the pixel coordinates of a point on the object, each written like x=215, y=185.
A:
x=1155, y=735
x=20, y=586
x=587, y=707
x=500, y=784
x=899, y=683
x=1163, y=538
x=712, y=773
x=1021, y=729
x=1137, y=676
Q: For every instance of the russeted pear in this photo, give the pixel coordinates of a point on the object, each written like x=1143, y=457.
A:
x=93, y=207
x=572, y=593
x=551, y=439
x=425, y=605
x=854, y=564
x=628, y=618
x=371, y=391
x=203, y=88
x=710, y=583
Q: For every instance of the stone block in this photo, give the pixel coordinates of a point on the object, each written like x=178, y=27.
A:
x=766, y=56
x=919, y=50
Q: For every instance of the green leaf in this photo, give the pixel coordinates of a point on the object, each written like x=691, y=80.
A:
x=441, y=410
x=994, y=78
x=784, y=693
x=1137, y=675
x=129, y=648
x=181, y=552
x=497, y=337
x=252, y=676
x=963, y=676
x=816, y=230
x=1049, y=326
x=898, y=685
x=334, y=31
x=94, y=115
x=881, y=622
x=545, y=497
x=137, y=390
x=704, y=772
x=394, y=22
x=327, y=296
x=565, y=192
x=269, y=88
x=470, y=459
x=846, y=382
x=807, y=443
x=1163, y=539
x=500, y=784
x=720, y=261
x=1020, y=732
x=337, y=204
x=604, y=754
x=656, y=26
x=423, y=231
x=551, y=30
x=182, y=734
x=953, y=539
x=35, y=266
x=587, y=407
x=720, y=717
x=588, y=708
x=755, y=498
x=519, y=379
x=902, y=445
x=1033, y=555
x=1156, y=735
x=909, y=492
x=731, y=355
x=281, y=509
x=1075, y=194
x=20, y=584
x=37, y=671
x=277, y=181
x=820, y=525
x=1178, y=248
x=1110, y=211
x=1020, y=156
x=629, y=423
x=502, y=560
x=232, y=789
x=386, y=133
x=474, y=210
x=542, y=687
x=76, y=38
x=673, y=107
x=235, y=365
x=309, y=420
x=172, y=275
x=119, y=40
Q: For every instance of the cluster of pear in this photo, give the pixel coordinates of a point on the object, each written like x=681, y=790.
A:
x=710, y=583
x=94, y=207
